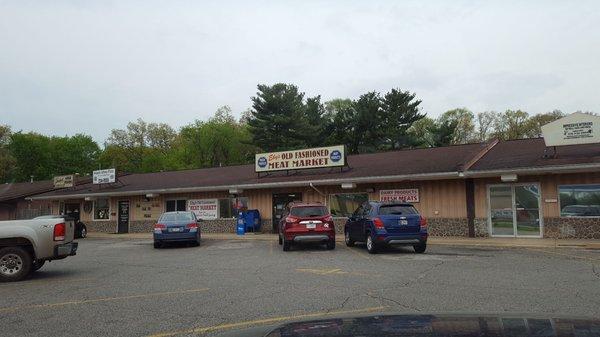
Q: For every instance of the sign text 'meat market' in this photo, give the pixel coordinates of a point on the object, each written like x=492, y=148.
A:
x=330, y=156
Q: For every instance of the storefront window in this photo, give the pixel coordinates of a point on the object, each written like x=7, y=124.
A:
x=176, y=205
x=229, y=208
x=101, y=209
x=344, y=204
x=579, y=200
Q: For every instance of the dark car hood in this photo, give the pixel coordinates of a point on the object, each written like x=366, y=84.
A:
x=432, y=325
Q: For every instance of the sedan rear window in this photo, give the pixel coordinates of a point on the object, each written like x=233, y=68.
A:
x=177, y=217
x=397, y=210
x=309, y=211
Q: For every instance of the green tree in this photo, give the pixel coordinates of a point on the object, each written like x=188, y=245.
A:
x=33, y=156
x=368, y=121
x=512, y=124
x=533, y=126
x=485, y=125
x=277, y=121
x=400, y=110
x=461, y=120
x=317, y=128
x=422, y=133
x=338, y=121
x=7, y=161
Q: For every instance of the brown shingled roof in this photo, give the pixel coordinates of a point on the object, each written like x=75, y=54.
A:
x=521, y=153
x=19, y=190
x=397, y=163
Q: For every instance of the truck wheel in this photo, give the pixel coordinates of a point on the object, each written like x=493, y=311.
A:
x=420, y=249
x=286, y=245
x=349, y=242
x=15, y=264
x=37, y=264
x=371, y=247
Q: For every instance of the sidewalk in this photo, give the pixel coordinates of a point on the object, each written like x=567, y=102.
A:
x=450, y=241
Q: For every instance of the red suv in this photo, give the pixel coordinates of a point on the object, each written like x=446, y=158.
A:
x=306, y=222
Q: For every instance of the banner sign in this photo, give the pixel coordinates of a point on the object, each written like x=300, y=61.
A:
x=64, y=181
x=407, y=194
x=205, y=209
x=330, y=156
x=104, y=176
x=576, y=128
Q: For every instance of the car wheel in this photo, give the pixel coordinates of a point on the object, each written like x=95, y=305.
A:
x=331, y=244
x=37, y=264
x=371, y=247
x=157, y=244
x=83, y=232
x=420, y=249
x=15, y=264
x=287, y=245
x=280, y=241
x=349, y=242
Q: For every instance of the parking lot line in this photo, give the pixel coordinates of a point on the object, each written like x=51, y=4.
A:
x=265, y=321
x=97, y=300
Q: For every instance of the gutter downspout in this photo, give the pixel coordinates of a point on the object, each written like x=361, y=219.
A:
x=318, y=191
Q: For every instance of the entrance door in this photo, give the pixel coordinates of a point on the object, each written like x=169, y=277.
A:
x=72, y=210
x=515, y=210
x=123, y=218
x=280, y=200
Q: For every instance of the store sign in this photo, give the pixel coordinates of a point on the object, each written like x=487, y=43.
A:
x=576, y=128
x=64, y=181
x=407, y=194
x=104, y=176
x=205, y=209
x=330, y=156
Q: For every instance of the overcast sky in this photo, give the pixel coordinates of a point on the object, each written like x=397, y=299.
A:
x=90, y=66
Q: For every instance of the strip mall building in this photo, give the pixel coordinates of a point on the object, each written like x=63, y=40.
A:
x=517, y=188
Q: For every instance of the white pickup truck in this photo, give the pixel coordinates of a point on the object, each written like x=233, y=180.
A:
x=25, y=245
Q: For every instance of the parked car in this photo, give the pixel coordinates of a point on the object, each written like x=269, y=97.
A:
x=25, y=245
x=177, y=227
x=306, y=222
x=80, y=227
x=380, y=224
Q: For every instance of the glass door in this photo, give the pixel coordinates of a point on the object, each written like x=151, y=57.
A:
x=527, y=208
x=515, y=210
x=501, y=211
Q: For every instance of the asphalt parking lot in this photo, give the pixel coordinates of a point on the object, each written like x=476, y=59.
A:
x=126, y=288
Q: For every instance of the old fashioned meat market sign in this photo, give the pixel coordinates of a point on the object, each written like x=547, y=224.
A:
x=330, y=156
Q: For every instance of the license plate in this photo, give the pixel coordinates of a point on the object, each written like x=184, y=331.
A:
x=176, y=229
x=311, y=225
x=403, y=222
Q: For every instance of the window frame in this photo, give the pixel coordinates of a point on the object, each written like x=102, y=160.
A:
x=353, y=212
x=94, y=209
x=176, y=200
x=220, y=216
x=560, y=204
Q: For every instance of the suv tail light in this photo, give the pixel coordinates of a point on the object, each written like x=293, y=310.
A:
x=378, y=223
x=59, y=231
x=290, y=220
x=328, y=218
x=423, y=223
x=159, y=227
x=192, y=227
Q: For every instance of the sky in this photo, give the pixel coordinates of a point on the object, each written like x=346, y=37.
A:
x=70, y=67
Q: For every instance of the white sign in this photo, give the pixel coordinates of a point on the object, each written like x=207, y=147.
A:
x=104, y=176
x=205, y=209
x=406, y=194
x=330, y=156
x=64, y=181
x=576, y=128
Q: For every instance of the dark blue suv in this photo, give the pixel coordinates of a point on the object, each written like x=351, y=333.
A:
x=387, y=223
